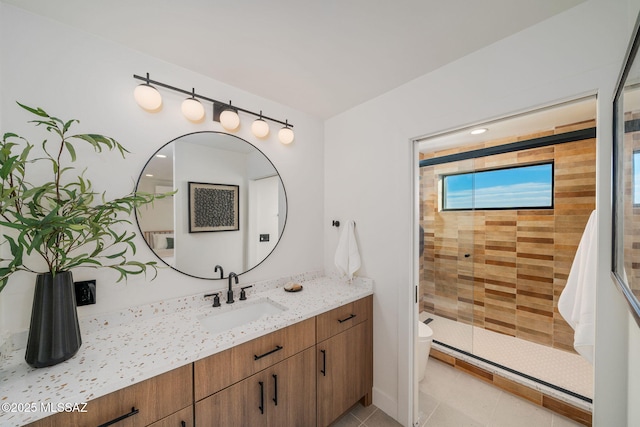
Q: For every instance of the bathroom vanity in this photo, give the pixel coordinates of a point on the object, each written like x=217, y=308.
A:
x=159, y=365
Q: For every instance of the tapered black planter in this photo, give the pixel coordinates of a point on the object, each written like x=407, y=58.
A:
x=54, y=335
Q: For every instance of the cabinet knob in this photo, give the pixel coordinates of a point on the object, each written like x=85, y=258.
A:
x=275, y=389
x=261, y=407
x=346, y=318
x=324, y=363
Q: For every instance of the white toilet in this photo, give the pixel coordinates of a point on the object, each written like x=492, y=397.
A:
x=425, y=335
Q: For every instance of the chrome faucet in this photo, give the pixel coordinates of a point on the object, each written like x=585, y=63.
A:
x=232, y=276
x=218, y=267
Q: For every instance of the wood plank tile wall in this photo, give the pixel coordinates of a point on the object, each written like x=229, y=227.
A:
x=519, y=259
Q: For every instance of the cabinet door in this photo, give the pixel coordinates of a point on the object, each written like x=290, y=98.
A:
x=283, y=395
x=138, y=405
x=183, y=418
x=292, y=391
x=242, y=404
x=343, y=372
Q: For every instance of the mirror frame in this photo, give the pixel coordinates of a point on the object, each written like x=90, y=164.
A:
x=284, y=190
x=617, y=189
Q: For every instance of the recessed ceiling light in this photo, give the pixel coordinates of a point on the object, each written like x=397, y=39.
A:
x=149, y=175
x=162, y=156
x=478, y=131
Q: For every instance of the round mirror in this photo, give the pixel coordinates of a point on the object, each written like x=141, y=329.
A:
x=229, y=208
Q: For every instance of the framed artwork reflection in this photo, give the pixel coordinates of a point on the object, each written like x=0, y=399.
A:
x=213, y=207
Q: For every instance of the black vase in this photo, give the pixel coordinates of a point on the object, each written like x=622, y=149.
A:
x=54, y=334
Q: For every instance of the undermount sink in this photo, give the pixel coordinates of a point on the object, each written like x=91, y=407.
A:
x=239, y=313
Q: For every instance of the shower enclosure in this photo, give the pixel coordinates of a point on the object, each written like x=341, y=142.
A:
x=502, y=220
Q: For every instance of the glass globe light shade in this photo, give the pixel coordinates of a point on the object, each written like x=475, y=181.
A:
x=260, y=128
x=193, y=109
x=147, y=97
x=229, y=119
x=286, y=135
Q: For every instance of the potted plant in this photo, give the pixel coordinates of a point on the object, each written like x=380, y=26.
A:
x=60, y=219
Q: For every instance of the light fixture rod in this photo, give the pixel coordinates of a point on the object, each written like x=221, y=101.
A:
x=206, y=98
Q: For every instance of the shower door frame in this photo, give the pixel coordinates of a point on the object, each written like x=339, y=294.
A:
x=499, y=149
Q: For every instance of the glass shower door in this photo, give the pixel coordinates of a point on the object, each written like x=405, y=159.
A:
x=447, y=263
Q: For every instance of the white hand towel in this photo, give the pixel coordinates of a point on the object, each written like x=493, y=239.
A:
x=577, y=301
x=347, y=258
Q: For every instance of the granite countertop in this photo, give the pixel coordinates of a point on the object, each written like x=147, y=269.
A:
x=129, y=346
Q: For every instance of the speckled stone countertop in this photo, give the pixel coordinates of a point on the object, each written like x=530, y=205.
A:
x=126, y=347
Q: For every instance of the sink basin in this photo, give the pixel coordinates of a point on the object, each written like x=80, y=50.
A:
x=240, y=313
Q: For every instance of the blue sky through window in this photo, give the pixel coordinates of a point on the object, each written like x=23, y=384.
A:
x=519, y=187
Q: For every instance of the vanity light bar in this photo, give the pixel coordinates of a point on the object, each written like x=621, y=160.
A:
x=218, y=106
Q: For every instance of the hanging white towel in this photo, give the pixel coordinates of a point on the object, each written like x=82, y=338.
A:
x=577, y=301
x=347, y=258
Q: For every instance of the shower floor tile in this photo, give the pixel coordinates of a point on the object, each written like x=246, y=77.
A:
x=561, y=368
x=450, y=398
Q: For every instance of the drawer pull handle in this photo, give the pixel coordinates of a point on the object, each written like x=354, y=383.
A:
x=261, y=407
x=348, y=318
x=133, y=412
x=278, y=348
x=275, y=389
x=183, y=423
x=324, y=363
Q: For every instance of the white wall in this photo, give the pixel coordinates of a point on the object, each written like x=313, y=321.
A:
x=369, y=176
x=75, y=75
x=367, y=155
x=198, y=253
x=159, y=214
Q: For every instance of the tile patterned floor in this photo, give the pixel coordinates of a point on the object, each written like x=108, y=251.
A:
x=371, y=416
x=564, y=369
x=451, y=398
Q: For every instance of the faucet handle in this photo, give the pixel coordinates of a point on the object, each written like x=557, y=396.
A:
x=216, y=298
x=243, y=294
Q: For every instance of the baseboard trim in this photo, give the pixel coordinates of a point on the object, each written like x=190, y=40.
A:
x=386, y=403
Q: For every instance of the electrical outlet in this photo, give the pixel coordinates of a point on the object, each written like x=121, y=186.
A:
x=85, y=292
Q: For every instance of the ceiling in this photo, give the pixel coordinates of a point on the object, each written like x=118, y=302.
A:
x=523, y=124
x=321, y=57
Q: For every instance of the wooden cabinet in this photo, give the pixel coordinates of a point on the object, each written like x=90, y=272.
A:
x=220, y=370
x=241, y=404
x=306, y=374
x=269, y=381
x=281, y=395
x=241, y=385
x=138, y=405
x=344, y=359
x=296, y=391
x=183, y=418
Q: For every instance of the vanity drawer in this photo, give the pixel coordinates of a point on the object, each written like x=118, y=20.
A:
x=344, y=317
x=153, y=399
x=218, y=371
x=176, y=420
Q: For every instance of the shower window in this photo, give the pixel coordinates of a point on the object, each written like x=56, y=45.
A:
x=515, y=187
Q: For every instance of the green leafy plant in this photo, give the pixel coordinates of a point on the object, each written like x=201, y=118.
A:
x=63, y=219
